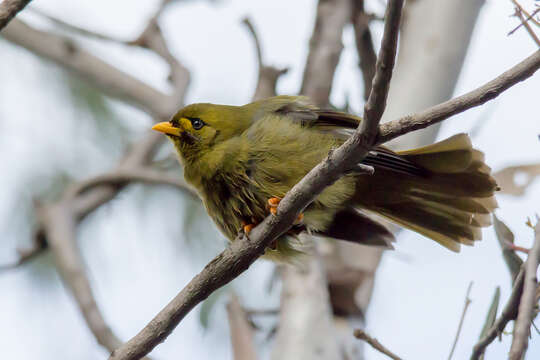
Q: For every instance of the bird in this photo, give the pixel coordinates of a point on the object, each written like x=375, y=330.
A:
x=242, y=160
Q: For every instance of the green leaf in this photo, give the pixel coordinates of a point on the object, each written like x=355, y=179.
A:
x=505, y=236
x=491, y=315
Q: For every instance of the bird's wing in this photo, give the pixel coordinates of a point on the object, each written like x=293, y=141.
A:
x=342, y=124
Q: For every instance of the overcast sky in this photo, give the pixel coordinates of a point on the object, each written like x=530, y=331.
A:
x=137, y=261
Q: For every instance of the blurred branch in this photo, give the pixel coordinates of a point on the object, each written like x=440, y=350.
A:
x=10, y=8
x=58, y=220
x=506, y=178
x=306, y=329
x=364, y=44
x=124, y=176
x=242, y=336
x=67, y=53
x=59, y=224
x=361, y=335
x=525, y=21
x=39, y=246
x=463, y=313
x=325, y=49
x=242, y=251
x=268, y=75
x=509, y=313
x=479, y=96
x=528, y=301
x=77, y=29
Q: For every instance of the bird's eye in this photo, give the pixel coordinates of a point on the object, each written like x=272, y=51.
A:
x=196, y=123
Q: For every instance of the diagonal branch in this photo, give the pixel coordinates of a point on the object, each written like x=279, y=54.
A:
x=528, y=301
x=362, y=335
x=243, y=252
x=111, y=80
x=10, y=8
x=479, y=96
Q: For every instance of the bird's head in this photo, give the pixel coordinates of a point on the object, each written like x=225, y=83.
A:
x=197, y=128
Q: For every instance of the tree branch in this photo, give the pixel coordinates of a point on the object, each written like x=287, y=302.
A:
x=528, y=301
x=364, y=45
x=124, y=176
x=10, y=8
x=361, y=335
x=58, y=220
x=509, y=313
x=39, y=245
x=268, y=75
x=111, y=80
x=243, y=252
x=325, y=49
x=438, y=113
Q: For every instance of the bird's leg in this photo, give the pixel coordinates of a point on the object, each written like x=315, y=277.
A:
x=273, y=203
x=247, y=227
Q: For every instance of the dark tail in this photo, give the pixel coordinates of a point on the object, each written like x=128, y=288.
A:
x=443, y=191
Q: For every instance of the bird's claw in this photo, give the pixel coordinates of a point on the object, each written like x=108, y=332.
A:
x=273, y=203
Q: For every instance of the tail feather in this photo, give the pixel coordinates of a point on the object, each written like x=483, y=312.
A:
x=449, y=202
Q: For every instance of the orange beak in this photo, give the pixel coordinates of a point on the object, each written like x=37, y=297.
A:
x=166, y=128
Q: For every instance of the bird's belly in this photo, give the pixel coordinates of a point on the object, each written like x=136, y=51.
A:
x=231, y=206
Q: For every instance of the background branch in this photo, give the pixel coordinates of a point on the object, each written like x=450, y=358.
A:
x=242, y=334
x=362, y=335
x=364, y=44
x=325, y=49
x=268, y=75
x=520, y=338
x=479, y=96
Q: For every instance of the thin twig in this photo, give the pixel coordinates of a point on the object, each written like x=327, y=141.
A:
x=525, y=316
x=361, y=335
x=525, y=23
x=509, y=313
x=247, y=22
x=268, y=75
x=27, y=254
x=243, y=252
x=479, y=96
x=464, y=312
x=10, y=8
x=530, y=17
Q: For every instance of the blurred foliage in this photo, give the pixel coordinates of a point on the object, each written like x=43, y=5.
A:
x=88, y=101
x=505, y=237
x=209, y=304
x=491, y=315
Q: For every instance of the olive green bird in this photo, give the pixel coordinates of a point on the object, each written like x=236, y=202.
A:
x=243, y=159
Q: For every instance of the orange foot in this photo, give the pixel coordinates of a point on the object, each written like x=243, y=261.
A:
x=247, y=227
x=273, y=203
